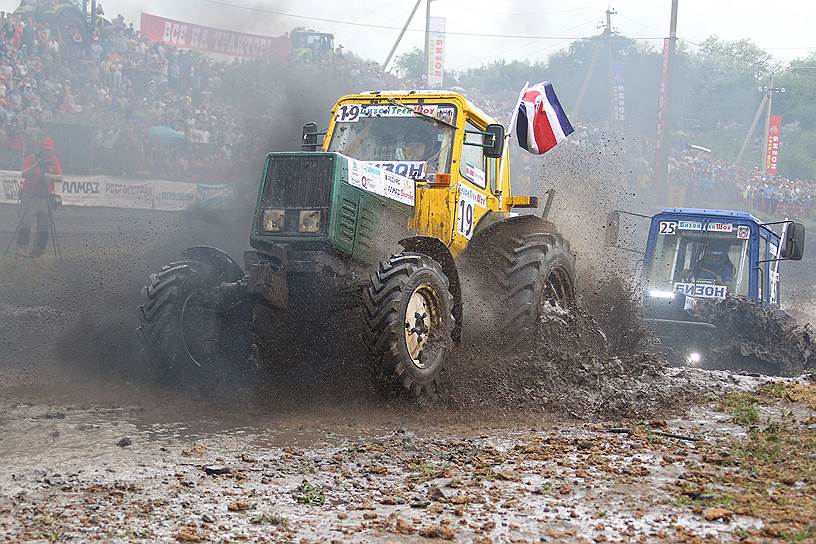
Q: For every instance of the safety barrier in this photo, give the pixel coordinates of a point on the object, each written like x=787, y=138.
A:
x=111, y=192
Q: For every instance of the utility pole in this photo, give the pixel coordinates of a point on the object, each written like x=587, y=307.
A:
x=427, y=35
x=585, y=85
x=610, y=80
x=401, y=34
x=770, y=90
x=661, y=170
x=753, y=127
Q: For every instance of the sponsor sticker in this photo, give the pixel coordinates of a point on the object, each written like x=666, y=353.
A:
x=476, y=175
x=712, y=227
x=701, y=290
x=351, y=113
x=466, y=213
x=743, y=232
x=409, y=169
x=381, y=182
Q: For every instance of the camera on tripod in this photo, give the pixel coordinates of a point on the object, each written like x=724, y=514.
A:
x=44, y=160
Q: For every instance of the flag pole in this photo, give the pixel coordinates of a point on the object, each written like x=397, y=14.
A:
x=506, y=151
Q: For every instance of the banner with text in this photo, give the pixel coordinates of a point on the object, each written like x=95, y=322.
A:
x=215, y=197
x=111, y=192
x=436, y=52
x=10, y=186
x=772, y=156
x=172, y=196
x=213, y=40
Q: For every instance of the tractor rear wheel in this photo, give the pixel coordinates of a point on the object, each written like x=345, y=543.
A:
x=186, y=337
x=537, y=274
x=409, y=317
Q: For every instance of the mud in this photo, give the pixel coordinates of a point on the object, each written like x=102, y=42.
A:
x=187, y=473
x=88, y=451
x=752, y=337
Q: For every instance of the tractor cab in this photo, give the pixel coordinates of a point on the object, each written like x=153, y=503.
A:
x=308, y=45
x=711, y=254
x=695, y=258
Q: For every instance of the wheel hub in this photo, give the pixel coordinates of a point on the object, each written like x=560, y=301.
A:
x=419, y=320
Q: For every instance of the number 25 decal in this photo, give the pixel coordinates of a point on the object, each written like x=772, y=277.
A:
x=465, y=223
x=668, y=227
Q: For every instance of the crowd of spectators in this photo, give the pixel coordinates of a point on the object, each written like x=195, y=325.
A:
x=703, y=173
x=161, y=112
x=155, y=111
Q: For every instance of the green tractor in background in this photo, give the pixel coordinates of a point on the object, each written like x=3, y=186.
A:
x=73, y=20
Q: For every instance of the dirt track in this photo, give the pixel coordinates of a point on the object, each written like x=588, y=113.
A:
x=88, y=452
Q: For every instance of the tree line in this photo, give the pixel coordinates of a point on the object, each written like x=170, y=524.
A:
x=714, y=93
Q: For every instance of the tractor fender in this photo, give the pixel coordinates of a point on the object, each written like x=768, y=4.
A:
x=223, y=265
x=438, y=251
x=492, y=223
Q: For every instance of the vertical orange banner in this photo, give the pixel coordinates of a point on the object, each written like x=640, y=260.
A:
x=774, y=133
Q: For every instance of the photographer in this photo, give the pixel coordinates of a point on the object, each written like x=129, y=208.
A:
x=40, y=171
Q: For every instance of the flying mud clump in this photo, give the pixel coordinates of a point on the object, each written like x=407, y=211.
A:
x=759, y=339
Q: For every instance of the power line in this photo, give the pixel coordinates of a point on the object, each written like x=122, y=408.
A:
x=529, y=13
x=389, y=27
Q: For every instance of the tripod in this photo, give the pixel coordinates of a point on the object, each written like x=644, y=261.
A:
x=52, y=227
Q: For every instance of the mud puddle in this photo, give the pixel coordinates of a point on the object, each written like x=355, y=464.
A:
x=187, y=473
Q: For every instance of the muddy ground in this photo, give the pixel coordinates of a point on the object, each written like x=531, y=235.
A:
x=583, y=439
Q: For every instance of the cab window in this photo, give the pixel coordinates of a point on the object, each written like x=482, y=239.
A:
x=472, y=165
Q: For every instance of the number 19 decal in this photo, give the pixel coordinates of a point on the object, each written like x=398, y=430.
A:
x=348, y=113
x=465, y=223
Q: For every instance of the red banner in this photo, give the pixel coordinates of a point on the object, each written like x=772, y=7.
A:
x=774, y=133
x=213, y=40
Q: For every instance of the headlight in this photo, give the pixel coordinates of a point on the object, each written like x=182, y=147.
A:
x=309, y=221
x=656, y=293
x=273, y=220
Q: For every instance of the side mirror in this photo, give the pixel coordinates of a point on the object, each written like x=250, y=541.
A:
x=612, y=228
x=793, y=246
x=494, y=149
x=310, y=142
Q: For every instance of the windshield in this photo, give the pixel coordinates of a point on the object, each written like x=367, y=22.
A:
x=701, y=263
x=387, y=134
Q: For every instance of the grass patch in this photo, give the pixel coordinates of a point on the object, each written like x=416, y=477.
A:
x=808, y=535
x=705, y=501
x=770, y=474
x=773, y=478
x=742, y=407
x=308, y=493
x=791, y=392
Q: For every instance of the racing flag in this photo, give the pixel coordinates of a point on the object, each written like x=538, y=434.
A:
x=541, y=123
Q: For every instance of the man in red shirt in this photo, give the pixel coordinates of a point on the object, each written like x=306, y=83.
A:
x=40, y=171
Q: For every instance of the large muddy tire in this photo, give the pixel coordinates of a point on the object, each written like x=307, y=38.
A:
x=536, y=273
x=409, y=318
x=187, y=340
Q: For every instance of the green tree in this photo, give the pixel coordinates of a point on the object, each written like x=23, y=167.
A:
x=411, y=64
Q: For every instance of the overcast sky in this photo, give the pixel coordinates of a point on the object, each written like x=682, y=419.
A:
x=783, y=27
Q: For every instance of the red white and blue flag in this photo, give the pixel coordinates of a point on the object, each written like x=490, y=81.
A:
x=541, y=122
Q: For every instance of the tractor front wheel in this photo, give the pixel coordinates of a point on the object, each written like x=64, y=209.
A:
x=188, y=335
x=409, y=314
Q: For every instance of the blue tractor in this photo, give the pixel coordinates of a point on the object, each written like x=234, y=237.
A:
x=698, y=260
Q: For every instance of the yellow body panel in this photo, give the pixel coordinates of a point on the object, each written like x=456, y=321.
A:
x=439, y=209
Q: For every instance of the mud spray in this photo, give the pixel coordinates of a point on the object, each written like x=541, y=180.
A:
x=71, y=328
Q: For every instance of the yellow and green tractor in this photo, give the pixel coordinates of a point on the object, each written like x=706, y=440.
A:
x=381, y=216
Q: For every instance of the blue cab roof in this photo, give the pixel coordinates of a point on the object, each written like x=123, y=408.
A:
x=726, y=214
